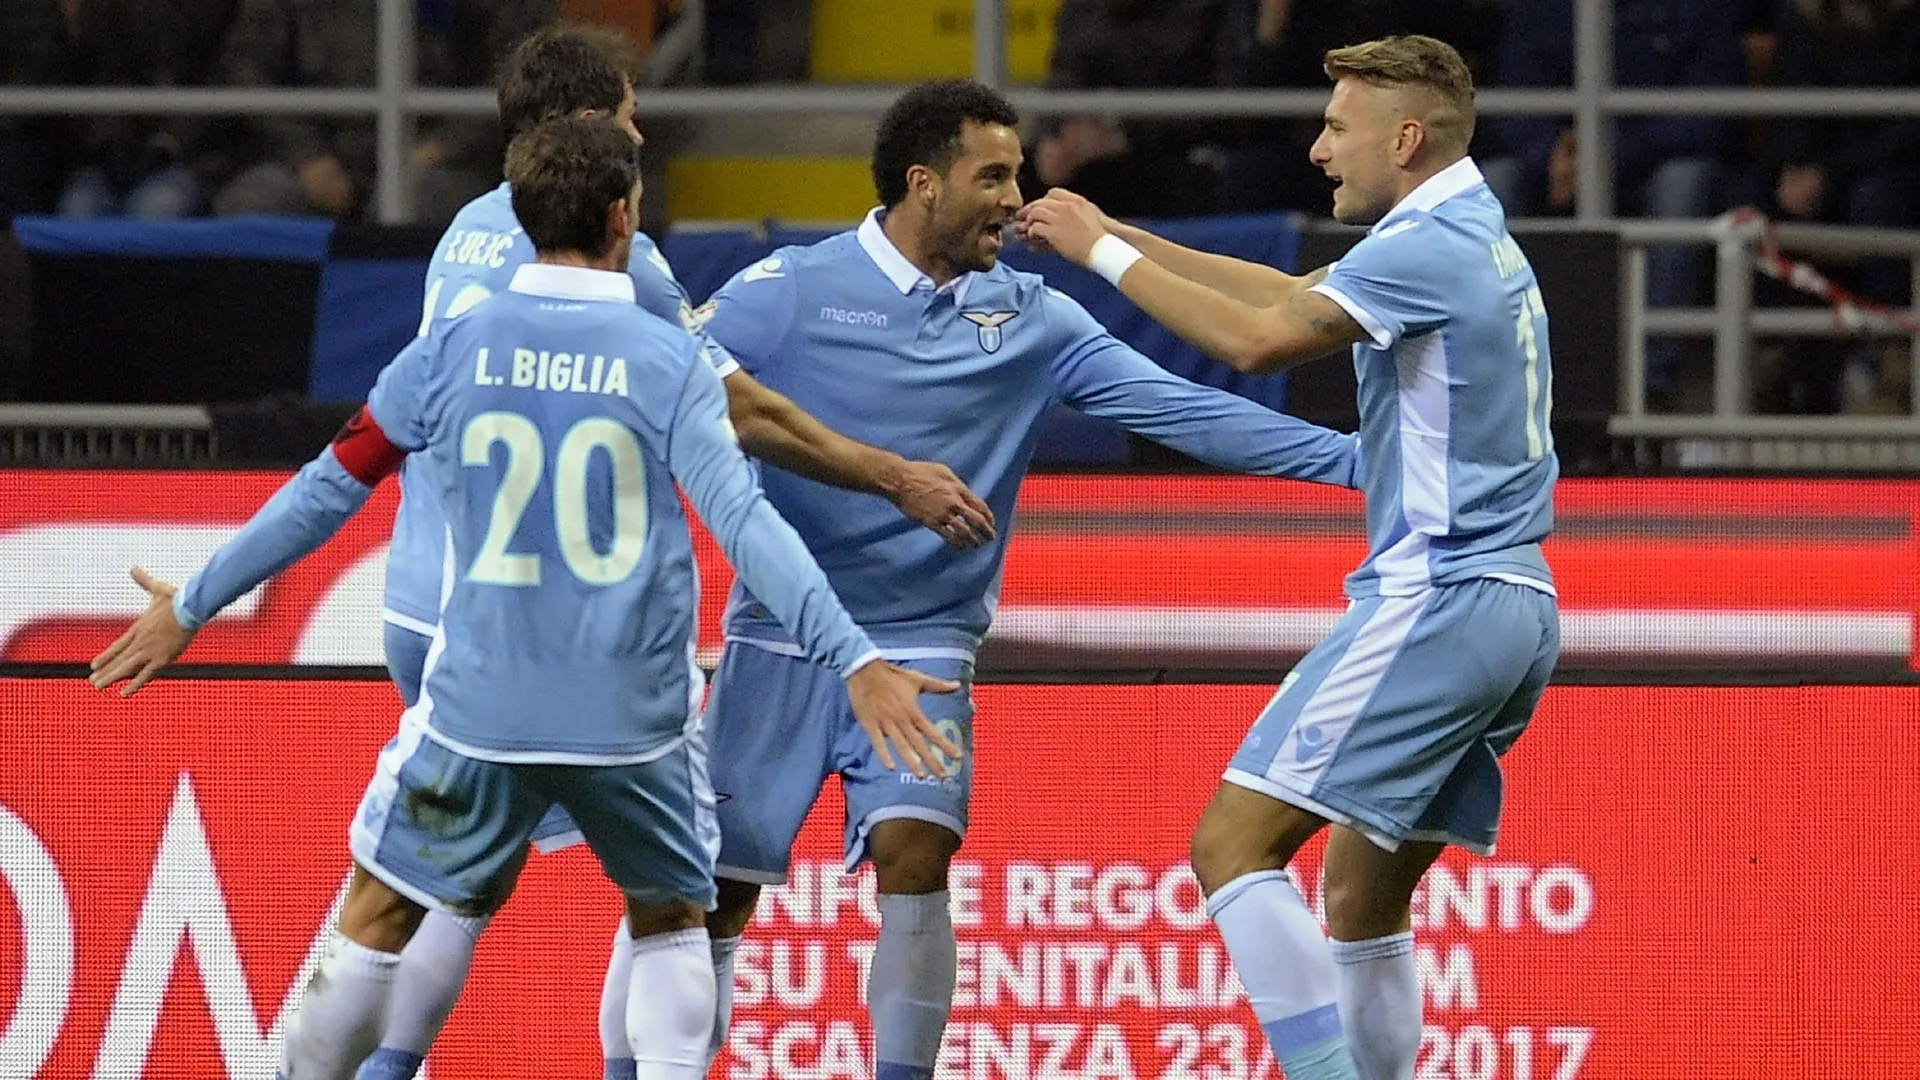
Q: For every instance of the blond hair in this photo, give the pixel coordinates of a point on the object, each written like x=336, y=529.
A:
x=1416, y=62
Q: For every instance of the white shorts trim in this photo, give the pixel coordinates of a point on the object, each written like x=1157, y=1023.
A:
x=406, y=622
x=1522, y=579
x=425, y=899
x=751, y=877
x=547, y=845
x=899, y=812
x=911, y=652
x=543, y=757
x=1340, y=700
x=1274, y=789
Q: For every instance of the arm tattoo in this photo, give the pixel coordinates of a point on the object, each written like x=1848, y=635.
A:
x=1322, y=322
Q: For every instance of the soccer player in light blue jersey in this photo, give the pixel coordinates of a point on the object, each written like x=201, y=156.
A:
x=560, y=71
x=553, y=424
x=1393, y=727
x=909, y=333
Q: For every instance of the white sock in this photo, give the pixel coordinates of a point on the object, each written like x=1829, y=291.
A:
x=341, y=1013
x=613, y=1000
x=433, y=969
x=910, y=985
x=670, y=1001
x=1283, y=961
x=723, y=949
x=1380, y=1004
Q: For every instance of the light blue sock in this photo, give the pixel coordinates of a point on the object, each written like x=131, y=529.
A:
x=387, y=1063
x=1284, y=961
x=910, y=985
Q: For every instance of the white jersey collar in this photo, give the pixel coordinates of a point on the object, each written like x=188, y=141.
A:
x=572, y=282
x=1461, y=176
x=905, y=276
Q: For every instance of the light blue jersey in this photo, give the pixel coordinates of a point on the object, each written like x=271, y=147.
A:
x=551, y=423
x=964, y=375
x=1395, y=723
x=1455, y=392
x=475, y=259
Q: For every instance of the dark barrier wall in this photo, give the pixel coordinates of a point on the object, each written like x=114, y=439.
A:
x=234, y=311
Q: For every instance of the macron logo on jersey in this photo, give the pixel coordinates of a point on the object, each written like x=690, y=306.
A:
x=853, y=318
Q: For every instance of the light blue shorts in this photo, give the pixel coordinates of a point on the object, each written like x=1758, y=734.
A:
x=451, y=832
x=780, y=725
x=1394, y=725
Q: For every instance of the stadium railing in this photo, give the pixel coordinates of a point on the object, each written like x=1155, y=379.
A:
x=1734, y=323
x=396, y=102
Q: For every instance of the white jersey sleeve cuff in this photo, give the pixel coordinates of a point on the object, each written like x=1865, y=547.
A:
x=868, y=657
x=1371, y=325
x=187, y=619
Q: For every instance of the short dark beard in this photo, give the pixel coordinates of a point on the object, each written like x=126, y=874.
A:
x=959, y=253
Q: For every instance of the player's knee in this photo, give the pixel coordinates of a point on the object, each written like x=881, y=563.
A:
x=1216, y=850
x=911, y=857
x=1352, y=910
x=1370, y=891
x=1242, y=832
x=1360, y=910
x=646, y=918
x=733, y=910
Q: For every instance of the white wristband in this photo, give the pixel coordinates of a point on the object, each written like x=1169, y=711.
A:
x=1112, y=257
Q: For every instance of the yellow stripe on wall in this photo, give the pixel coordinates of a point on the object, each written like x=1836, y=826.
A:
x=806, y=189
x=910, y=40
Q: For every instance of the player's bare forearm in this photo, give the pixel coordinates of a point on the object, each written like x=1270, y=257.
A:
x=1248, y=282
x=1246, y=337
x=775, y=430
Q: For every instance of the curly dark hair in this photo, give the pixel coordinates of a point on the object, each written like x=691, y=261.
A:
x=565, y=172
x=560, y=70
x=923, y=128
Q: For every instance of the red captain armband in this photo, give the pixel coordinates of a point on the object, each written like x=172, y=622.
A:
x=364, y=450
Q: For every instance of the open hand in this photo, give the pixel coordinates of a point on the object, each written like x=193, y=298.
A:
x=155, y=640
x=886, y=701
x=1062, y=222
x=930, y=493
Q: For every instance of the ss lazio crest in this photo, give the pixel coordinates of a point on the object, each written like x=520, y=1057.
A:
x=989, y=323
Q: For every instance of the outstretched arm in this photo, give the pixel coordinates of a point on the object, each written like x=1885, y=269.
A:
x=305, y=513
x=1247, y=337
x=1102, y=377
x=1249, y=282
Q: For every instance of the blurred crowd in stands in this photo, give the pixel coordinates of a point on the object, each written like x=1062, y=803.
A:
x=1863, y=171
